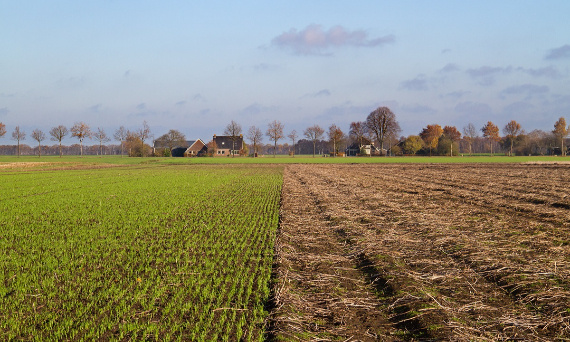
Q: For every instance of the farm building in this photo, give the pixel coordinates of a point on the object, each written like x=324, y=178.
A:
x=190, y=148
x=357, y=149
x=225, y=145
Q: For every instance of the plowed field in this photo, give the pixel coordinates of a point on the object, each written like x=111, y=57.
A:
x=423, y=252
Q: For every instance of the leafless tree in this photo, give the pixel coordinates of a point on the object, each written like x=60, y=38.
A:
x=39, y=136
x=81, y=131
x=335, y=136
x=57, y=134
x=255, y=135
x=469, y=134
x=233, y=130
x=314, y=133
x=102, y=137
x=2, y=129
x=511, y=131
x=382, y=123
x=293, y=136
x=121, y=135
x=358, y=132
x=18, y=135
x=143, y=134
x=172, y=139
x=275, y=133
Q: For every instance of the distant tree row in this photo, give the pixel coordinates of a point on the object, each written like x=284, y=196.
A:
x=449, y=141
x=379, y=132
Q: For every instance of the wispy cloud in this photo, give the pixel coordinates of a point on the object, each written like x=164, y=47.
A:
x=4, y=111
x=141, y=106
x=562, y=52
x=548, y=71
x=526, y=89
x=449, y=67
x=474, y=109
x=314, y=40
x=418, y=83
x=485, y=75
x=456, y=95
x=198, y=97
x=320, y=93
x=95, y=108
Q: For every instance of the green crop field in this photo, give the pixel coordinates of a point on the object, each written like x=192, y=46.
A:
x=136, y=252
x=280, y=159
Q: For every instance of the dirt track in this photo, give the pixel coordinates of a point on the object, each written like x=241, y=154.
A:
x=423, y=252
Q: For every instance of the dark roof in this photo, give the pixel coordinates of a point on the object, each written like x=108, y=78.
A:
x=160, y=144
x=226, y=142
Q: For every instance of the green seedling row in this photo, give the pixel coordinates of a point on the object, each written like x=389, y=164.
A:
x=169, y=252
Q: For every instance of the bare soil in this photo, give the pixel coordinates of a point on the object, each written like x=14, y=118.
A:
x=423, y=252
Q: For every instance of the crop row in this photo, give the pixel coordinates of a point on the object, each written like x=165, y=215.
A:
x=168, y=252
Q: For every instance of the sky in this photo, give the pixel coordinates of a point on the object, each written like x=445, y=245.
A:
x=195, y=66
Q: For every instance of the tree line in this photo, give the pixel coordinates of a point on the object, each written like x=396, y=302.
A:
x=380, y=130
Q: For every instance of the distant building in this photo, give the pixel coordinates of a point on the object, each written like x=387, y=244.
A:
x=190, y=148
x=224, y=145
x=367, y=148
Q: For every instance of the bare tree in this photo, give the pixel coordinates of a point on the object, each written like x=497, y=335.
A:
x=233, y=130
x=491, y=132
x=561, y=132
x=121, y=135
x=18, y=135
x=102, y=137
x=293, y=136
x=469, y=134
x=172, y=139
x=358, y=132
x=275, y=133
x=39, y=136
x=314, y=133
x=511, y=131
x=2, y=129
x=382, y=123
x=143, y=134
x=335, y=136
x=254, y=135
x=81, y=131
x=57, y=134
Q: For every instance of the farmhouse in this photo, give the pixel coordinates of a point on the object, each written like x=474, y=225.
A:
x=365, y=149
x=190, y=148
x=225, y=145
x=195, y=148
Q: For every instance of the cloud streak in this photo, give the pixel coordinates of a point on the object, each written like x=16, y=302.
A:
x=320, y=93
x=314, y=40
x=485, y=75
x=562, y=52
x=419, y=83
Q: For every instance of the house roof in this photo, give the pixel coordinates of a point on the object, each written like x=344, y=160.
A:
x=226, y=142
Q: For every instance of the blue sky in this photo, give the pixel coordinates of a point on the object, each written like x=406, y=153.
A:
x=195, y=66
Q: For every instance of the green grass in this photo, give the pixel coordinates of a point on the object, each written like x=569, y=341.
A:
x=281, y=159
x=142, y=252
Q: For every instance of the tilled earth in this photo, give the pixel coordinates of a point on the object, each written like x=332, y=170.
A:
x=423, y=252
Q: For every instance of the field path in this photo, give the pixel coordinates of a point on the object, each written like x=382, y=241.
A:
x=423, y=252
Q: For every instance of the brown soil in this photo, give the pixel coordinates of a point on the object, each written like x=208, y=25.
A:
x=423, y=252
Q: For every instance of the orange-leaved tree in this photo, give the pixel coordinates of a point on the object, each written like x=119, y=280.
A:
x=561, y=132
x=430, y=135
x=491, y=132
